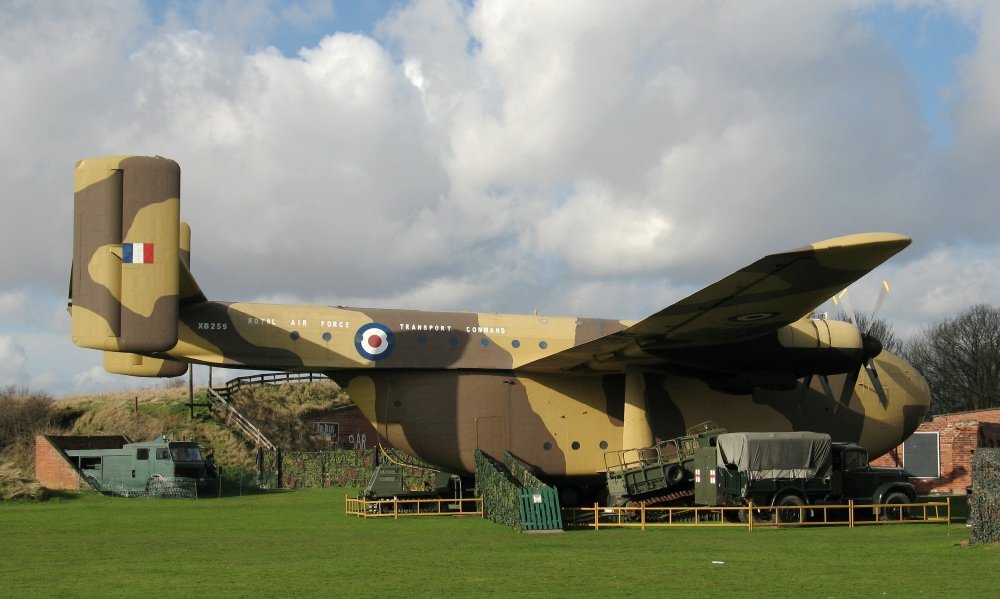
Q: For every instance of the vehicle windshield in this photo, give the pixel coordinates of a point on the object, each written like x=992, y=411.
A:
x=854, y=460
x=185, y=453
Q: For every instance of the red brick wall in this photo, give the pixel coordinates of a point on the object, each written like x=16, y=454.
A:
x=959, y=435
x=51, y=469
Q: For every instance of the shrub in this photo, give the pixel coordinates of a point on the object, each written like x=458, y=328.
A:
x=23, y=414
x=985, y=501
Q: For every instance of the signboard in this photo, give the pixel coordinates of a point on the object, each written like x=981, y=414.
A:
x=922, y=455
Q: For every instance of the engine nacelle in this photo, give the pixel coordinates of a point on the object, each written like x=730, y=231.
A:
x=806, y=346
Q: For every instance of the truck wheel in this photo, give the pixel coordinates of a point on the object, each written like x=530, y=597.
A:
x=792, y=515
x=155, y=486
x=675, y=474
x=758, y=515
x=895, y=512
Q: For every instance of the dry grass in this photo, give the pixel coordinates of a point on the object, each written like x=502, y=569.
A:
x=144, y=415
x=280, y=411
x=14, y=486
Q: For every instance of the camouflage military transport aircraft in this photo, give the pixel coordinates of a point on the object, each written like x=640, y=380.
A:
x=557, y=392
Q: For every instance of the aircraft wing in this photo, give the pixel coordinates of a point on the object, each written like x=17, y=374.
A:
x=753, y=301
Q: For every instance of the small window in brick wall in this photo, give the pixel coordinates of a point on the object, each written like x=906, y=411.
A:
x=329, y=430
x=922, y=455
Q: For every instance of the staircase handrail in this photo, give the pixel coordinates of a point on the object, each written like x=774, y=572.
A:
x=248, y=428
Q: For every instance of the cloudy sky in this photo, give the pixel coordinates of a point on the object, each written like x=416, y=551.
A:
x=588, y=158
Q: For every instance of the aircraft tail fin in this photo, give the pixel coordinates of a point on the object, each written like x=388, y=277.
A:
x=127, y=256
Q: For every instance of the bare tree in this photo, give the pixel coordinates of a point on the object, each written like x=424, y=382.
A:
x=960, y=358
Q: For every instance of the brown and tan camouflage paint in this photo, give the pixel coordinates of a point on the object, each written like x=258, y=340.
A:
x=558, y=392
x=118, y=306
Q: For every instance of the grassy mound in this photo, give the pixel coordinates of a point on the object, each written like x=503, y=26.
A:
x=281, y=412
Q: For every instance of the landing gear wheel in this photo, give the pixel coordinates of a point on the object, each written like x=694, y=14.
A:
x=791, y=515
x=894, y=513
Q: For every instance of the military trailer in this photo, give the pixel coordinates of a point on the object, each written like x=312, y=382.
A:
x=793, y=470
x=659, y=474
x=151, y=467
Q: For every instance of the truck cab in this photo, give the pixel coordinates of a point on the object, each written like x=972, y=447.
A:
x=854, y=478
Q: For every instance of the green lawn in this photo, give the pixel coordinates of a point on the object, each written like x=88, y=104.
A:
x=301, y=544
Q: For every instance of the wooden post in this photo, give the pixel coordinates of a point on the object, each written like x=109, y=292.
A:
x=280, y=465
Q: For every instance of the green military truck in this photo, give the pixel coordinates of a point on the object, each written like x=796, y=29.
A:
x=792, y=470
x=156, y=467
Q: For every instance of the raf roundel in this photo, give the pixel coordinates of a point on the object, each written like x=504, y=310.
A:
x=374, y=341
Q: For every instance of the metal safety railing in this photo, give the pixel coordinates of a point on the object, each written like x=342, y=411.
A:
x=850, y=514
x=270, y=378
x=402, y=507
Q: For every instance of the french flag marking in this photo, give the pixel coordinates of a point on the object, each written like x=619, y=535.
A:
x=137, y=253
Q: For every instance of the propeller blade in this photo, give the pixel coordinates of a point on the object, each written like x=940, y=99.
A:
x=876, y=383
x=806, y=384
x=850, y=381
x=824, y=381
x=843, y=299
x=878, y=304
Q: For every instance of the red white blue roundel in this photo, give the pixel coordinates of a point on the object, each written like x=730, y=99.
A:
x=374, y=341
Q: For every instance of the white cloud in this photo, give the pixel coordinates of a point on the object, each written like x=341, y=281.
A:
x=95, y=378
x=13, y=304
x=947, y=281
x=13, y=362
x=595, y=236
x=577, y=157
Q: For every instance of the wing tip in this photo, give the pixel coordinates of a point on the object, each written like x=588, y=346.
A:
x=894, y=240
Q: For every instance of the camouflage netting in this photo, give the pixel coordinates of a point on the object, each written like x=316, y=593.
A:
x=338, y=468
x=499, y=486
x=521, y=471
x=984, y=505
x=499, y=490
x=335, y=468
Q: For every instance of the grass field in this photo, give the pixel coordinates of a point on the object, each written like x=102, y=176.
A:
x=301, y=544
